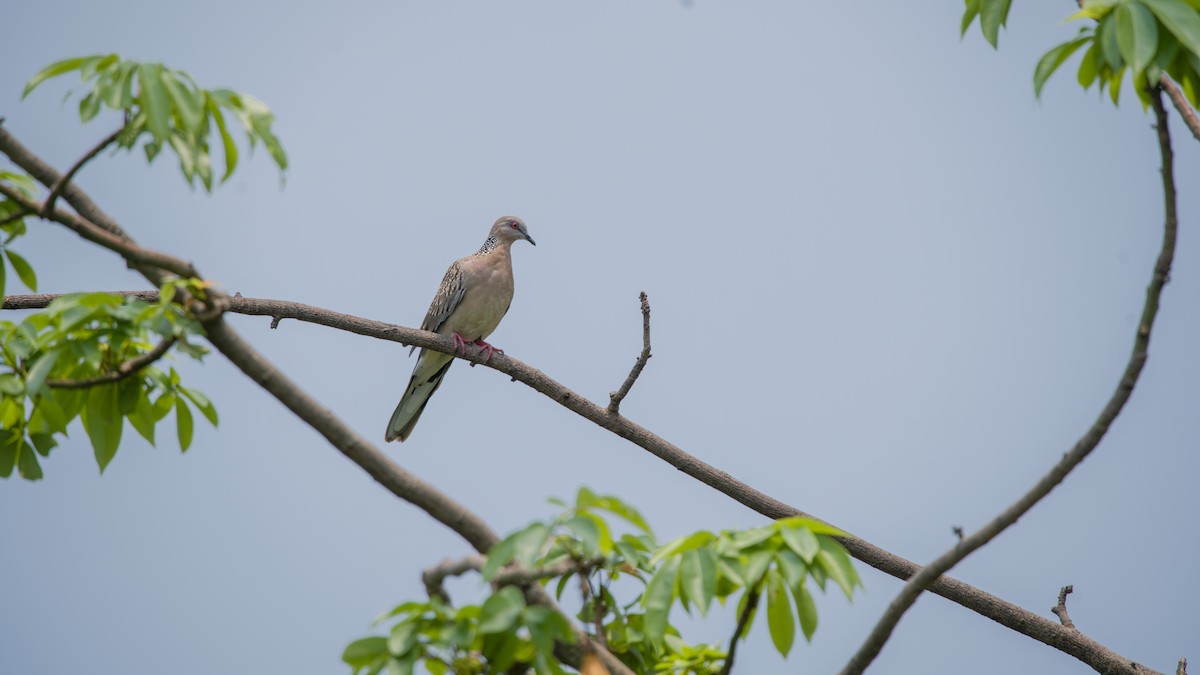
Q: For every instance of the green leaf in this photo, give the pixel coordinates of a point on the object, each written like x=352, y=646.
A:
x=183, y=424
x=501, y=610
x=587, y=532
x=792, y=567
x=403, y=638
x=2, y=273
x=10, y=443
x=154, y=101
x=682, y=545
x=54, y=70
x=227, y=144
x=204, y=405
x=1114, y=84
x=142, y=419
x=1106, y=35
x=103, y=422
x=807, y=611
x=23, y=270
x=39, y=370
x=969, y=14
x=657, y=600
x=1180, y=19
x=1089, y=65
x=836, y=563
x=1137, y=35
x=43, y=443
x=698, y=577
x=27, y=463
x=801, y=540
x=11, y=385
x=361, y=653
x=1052, y=59
x=185, y=102
x=992, y=15
x=587, y=498
x=779, y=614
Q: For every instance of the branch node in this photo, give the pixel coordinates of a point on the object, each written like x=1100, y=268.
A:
x=615, y=398
x=275, y=322
x=1060, y=610
x=958, y=531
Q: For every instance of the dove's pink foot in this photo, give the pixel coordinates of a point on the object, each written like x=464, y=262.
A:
x=460, y=344
x=483, y=346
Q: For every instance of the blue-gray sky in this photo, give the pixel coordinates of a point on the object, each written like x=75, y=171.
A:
x=954, y=268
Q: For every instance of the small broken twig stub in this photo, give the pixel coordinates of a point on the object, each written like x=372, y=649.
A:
x=615, y=398
x=1060, y=610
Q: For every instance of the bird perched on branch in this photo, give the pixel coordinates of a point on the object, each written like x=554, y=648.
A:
x=473, y=297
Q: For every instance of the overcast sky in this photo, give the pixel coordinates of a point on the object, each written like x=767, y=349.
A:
x=950, y=270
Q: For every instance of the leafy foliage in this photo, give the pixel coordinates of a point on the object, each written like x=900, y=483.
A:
x=82, y=337
x=1144, y=38
x=168, y=108
x=12, y=225
x=632, y=585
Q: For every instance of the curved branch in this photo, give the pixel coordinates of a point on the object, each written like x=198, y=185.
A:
x=134, y=254
x=122, y=371
x=1001, y=611
x=380, y=468
x=1083, y=447
x=1186, y=111
x=65, y=179
x=1060, y=610
x=743, y=619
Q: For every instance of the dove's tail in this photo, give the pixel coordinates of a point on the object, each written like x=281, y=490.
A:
x=420, y=388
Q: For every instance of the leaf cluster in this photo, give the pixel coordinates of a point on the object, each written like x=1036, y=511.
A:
x=629, y=586
x=12, y=225
x=82, y=337
x=166, y=108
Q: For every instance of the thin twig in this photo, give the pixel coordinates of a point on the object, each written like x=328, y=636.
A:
x=88, y=230
x=1060, y=610
x=1083, y=447
x=56, y=190
x=615, y=398
x=743, y=619
x=122, y=371
x=1181, y=669
x=21, y=213
x=1186, y=111
x=1005, y=613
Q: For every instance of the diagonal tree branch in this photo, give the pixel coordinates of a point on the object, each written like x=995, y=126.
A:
x=65, y=180
x=395, y=479
x=122, y=371
x=1186, y=111
x=1083, y=447
x=1001, y=611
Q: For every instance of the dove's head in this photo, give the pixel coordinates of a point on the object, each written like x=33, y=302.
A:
x=510, y=229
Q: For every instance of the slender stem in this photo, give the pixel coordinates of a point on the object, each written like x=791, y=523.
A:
x=615, y=398
x=1060, y=610
x=743, y=619
x=65, y=180
x=122, y=371
x=1083, y=447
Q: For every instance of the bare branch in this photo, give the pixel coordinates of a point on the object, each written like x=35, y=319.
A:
x=136, y=255
x=1005, y=613
x=65, y=179
x=122, y=371
x=615, y=398
x=1186, y=111
x=411, y=489
x=1060, y=610
x=1181, y=669
x=743, y=619
x=1083, y=447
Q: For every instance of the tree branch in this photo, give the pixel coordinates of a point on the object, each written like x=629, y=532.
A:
x=1083, y=447
x=1060, y=610
x=63, y=181
x=615, y=398
x=122, y=371
x=1001, y=611
x=743, y=619
x=1186, y=111
x=402, y=484
x=134, y=254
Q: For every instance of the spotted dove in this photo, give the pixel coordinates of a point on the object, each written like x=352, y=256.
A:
x=473, y=297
